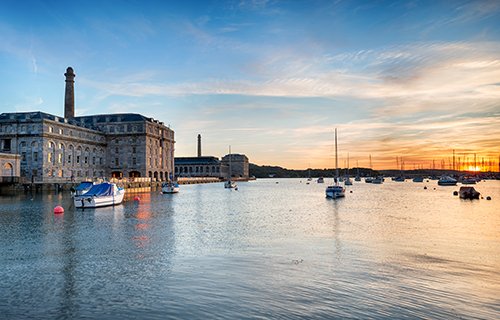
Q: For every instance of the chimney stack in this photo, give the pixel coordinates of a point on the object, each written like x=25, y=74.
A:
x=199, y=145
x=69, y=94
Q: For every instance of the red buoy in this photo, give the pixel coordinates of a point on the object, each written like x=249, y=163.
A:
x=137, y=198
x=58, y=210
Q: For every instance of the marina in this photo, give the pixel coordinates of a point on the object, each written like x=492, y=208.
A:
x=266, y=250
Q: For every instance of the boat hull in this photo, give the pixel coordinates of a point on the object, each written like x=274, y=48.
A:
x=99, y=201
x=170, y=189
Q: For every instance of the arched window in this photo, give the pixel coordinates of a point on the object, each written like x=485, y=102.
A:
x=71, y=154
x=7, y=170
x=61, y=154
x=78, y=155
x=51, y=153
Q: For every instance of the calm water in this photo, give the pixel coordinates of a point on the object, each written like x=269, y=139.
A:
x=269, y=250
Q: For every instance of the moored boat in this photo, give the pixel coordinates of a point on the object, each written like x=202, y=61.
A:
x=170, y=187
x=447, y=181
x=336, y=190
x=100, y=195
x=418, y=179
x=468, y=193
x=320, y=180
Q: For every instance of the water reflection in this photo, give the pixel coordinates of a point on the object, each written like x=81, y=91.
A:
x=266, y=251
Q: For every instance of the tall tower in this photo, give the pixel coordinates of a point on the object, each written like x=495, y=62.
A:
x=199, y=145
x=69, y=94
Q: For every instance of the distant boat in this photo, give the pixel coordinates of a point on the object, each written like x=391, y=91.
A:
x=418, y=179
x=468, y=193
x=347, y=180
x=399, y=179
x=100, y=195
x=320, y=180
x=230, y=184
x=469, y=180
x=358, y=178
x=170, y=187
x=336, y=190
x=368, y=179
x=378, y=180
x=447, y=181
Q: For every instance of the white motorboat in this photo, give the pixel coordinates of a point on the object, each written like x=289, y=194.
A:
x=100, y=195
x=447, y=181
x=170, y=187
x=336, y=190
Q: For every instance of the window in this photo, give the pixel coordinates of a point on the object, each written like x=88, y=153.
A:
x=77, y=159
x=59, y=158
x=23, y=156
x=60, y=131
x=117, y=150
x=93, y=160
x=35, y=156
x=116, y=161
x=6, y=144
x=49, y=157
x=134, y=161
x=133, y=150
x=51, y=129
x=86, y=160
x=69, y=158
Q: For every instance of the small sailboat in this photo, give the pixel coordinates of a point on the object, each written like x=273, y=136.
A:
x=347, y=181
x=100, y=195
x=336, y=190
x=358, y=177
x=230, y=184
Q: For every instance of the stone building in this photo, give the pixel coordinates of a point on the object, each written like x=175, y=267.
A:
x=210, y=166
x=238, y=167
x=58, y=149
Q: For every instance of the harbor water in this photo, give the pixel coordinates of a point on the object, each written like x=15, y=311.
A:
x=273, y=249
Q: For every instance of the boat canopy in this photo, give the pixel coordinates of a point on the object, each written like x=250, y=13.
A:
x=102, y=189
x=83, y=185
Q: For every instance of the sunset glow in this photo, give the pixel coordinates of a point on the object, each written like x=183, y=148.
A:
x=273, y=79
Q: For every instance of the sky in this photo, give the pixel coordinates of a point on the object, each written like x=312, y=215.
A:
x=271, y=79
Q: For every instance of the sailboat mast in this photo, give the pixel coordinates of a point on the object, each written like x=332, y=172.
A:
x=230, y=170
x=336, y=158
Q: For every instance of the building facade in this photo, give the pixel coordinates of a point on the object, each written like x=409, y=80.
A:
x=58, y=149
x=236, y=165
x=210, y=166
x=9, y=168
